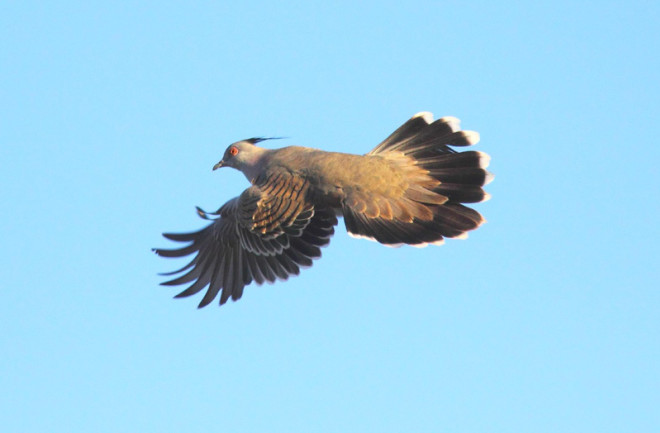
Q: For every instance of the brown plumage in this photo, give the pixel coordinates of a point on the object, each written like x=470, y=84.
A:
x=407, y=190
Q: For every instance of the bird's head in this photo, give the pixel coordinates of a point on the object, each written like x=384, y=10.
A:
x=243, y=155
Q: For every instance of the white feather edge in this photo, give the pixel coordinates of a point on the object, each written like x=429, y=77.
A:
x=420, y=245
x=472, y=137
x=453, y=122
x=426, y=115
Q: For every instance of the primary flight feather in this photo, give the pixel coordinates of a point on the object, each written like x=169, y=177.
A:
x=409, y=189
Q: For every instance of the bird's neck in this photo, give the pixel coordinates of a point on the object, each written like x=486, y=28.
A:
x=253, y=165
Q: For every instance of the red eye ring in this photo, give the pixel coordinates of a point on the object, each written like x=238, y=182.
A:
x=233, y=151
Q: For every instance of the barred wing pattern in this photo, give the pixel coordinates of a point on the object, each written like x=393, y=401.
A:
x=230, y=253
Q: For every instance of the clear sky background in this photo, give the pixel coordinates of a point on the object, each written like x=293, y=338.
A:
x=547, y=319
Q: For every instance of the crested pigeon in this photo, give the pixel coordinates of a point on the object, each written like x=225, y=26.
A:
x=409, y=189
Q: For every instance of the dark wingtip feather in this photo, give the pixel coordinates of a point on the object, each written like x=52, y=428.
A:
x=161, y=252
x=223, y=299
x=179, y=252
x=204, y=302
x=180, y=237
x=169, y=274
x=167, y=283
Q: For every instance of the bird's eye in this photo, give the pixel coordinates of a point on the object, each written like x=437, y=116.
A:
x=233, y=151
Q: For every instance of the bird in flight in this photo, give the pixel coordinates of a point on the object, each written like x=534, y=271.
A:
x=409, y=189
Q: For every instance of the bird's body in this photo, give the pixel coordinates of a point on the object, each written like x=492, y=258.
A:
x=408, y=190
x=328, y=176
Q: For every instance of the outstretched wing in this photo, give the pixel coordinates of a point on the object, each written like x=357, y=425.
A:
x=258, y=236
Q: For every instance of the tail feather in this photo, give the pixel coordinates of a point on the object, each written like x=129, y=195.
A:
x=461, y=175
x=418, y=136
x=409, y=129
x=431, y=145
x=460, y=193
x=440, y=179
x=469, y=158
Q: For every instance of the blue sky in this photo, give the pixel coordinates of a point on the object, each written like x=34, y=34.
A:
x=544, y=320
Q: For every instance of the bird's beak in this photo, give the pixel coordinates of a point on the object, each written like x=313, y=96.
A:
x=218, y=165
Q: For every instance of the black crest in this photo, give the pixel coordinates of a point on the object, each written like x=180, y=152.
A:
x=255, y=140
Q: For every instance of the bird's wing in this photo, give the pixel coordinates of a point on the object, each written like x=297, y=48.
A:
x=275, y=204
x=265, y=234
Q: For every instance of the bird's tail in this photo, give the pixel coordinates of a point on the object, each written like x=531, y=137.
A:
x=439, y=180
